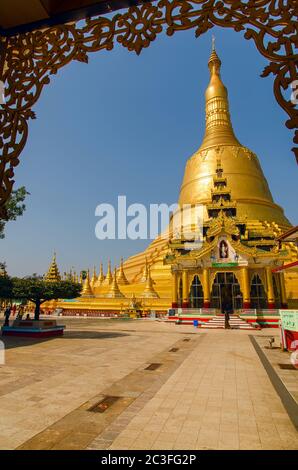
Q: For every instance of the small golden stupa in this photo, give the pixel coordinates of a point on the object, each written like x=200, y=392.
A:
x=53, y=271
x=121, y=278
x=101, y=277
x=149, y=291
x=109, y=276
x=93, y=279
x=87, y=290
x=114, y=291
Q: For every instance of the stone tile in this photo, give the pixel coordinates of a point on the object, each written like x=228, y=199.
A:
x=208, y=439
x=206, y=401
x=228, y=440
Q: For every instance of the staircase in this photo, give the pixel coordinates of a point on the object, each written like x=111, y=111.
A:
x=235, y=323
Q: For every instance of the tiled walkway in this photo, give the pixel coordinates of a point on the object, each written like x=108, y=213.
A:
x=277, y=358
x=212, y=393
x=219, y=398
x=43, y=381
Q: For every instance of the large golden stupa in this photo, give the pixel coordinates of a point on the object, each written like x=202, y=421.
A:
x=239, y=251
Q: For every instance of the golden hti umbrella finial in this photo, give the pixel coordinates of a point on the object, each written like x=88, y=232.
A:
x=219, y=128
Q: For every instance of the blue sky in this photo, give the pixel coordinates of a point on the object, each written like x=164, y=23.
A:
x=126, y=125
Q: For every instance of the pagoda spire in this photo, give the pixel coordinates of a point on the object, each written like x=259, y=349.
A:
x=53, y=274
x=149, y=289
x=109, y=277
x=114, y=291
x=87, y=291
x=145, y=271
x=121, y=278
x=93, y=279
x=219, y=130
x=101, y=276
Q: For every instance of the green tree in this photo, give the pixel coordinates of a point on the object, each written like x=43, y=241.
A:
x=5, y=287
x=14, y=207
x=39, y=291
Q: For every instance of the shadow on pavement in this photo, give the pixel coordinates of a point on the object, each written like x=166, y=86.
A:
x=15, y=342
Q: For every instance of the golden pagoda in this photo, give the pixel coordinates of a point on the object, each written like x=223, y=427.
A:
x=53, y=271
x=121, y=278
x=241, y=166
x=114, y=291
x=109, y=277
x=101, y=277
x=240, y=249
x=93, y=279
x=87, y=291
x=149, y=291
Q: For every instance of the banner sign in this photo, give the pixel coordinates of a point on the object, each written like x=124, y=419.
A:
x=224, y=265
x=289, y=319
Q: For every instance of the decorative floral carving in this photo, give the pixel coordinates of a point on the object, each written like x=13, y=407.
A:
x=141, y=27
x=30, y=58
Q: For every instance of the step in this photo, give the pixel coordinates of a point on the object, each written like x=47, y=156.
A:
x=235, y=322
x=240, y=327
x=218, y=322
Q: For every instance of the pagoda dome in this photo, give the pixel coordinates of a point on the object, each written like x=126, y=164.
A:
x=241, y=166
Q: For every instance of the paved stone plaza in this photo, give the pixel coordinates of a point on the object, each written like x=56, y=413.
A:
x=206, y=390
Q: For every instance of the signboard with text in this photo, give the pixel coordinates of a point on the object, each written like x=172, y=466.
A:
x=224, y=265
x=289, y=319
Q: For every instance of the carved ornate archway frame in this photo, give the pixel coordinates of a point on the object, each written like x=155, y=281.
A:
x=28, y=59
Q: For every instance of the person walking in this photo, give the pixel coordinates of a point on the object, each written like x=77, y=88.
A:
x=20, y=312
x=7, y=315
x=227, y=318
x=227, y=309
x=14, y=309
